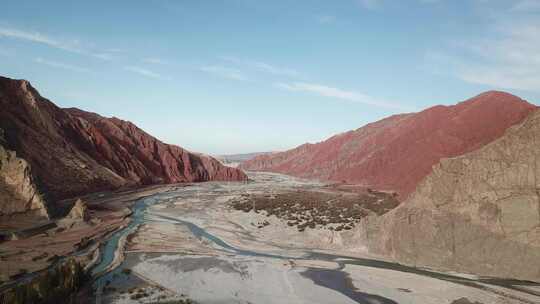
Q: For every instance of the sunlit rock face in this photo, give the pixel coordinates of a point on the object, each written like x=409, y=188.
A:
x=18, y=191
x=72, y=152
x=477, y=213
x=397, y=152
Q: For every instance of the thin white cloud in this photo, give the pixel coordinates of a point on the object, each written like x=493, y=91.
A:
x=505, y=56
x=36, y=37
x=224, y=72
x=263, y=67
x=377, y=4
x=370, y=4
x=154, y=60
x=502, y=77
x=143, y=72
x=326, y=19
x=61, y=65
x=114, y=50
x=73, y=46
x=527, y=6
x=332, y=92
x=103, y=56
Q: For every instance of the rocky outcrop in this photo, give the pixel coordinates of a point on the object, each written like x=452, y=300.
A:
x=477, y=213
x=18, y=192
x=396, y=153
x=79, y=212
x=72, y=152
x=59, y=284
x=78, y=216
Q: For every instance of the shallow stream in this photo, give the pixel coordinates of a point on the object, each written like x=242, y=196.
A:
x=335, y=279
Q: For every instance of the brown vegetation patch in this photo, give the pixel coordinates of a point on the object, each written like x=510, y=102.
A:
x=310, y=209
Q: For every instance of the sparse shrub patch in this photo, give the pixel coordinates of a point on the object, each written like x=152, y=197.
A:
x=311, y=209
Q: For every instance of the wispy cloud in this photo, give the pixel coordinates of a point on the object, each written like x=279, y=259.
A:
x=336, y=93
x=263, y=67
x=154, y=60
x=326, y=19
x=73, y=46
x=114, y=50
x=507, y=55
x=61, y=65
x=144, y=72
x=102, y=56
x=370, y=4
x=378, y=4
x=527, y=6
x=224, y=72
x=37, y=38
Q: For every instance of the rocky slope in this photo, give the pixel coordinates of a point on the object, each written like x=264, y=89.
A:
x=56, y=285
x=397, y=152
x=136, y=155
x=476, y=213
x=72, y=152
x=18, y=192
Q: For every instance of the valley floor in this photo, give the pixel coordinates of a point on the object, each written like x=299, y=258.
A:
x=190, y=243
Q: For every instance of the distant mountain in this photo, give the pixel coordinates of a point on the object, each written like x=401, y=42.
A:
x=236, y=159
x=69, y=152
x=397, y=152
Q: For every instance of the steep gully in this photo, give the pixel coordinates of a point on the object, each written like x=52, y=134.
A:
x=335, y=279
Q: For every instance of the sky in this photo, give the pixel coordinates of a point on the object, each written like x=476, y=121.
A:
x=235, y=76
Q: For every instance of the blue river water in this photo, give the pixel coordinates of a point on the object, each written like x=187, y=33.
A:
x=334, y=279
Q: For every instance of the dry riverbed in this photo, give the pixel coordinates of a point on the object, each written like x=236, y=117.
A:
x=234, y=243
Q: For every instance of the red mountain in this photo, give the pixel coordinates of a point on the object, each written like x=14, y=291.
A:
x=72, y=152
x=395, y=153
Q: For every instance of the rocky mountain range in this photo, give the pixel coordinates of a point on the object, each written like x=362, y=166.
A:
x=467, y=176
x=48, y=153
x=397, y=152
x=476, y=213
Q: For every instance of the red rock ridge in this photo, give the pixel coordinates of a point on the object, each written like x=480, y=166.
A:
x=397, y=152
x=73, y=152
x=134, y=153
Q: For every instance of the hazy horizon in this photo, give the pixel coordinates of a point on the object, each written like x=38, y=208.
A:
x=241, y=76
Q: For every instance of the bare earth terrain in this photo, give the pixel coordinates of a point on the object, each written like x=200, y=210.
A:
x=275, y=239
x=109, y=212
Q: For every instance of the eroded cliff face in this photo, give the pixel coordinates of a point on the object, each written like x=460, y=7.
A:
x=397, y=152
x=18, y=192
x=72, y=152
x=477, y=213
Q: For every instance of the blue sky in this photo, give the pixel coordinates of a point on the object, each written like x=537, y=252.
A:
x=252, y=75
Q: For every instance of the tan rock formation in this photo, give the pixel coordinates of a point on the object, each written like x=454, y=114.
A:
x=477, y=213
x=18, y=192
x=78, y=216
x=79, y=211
